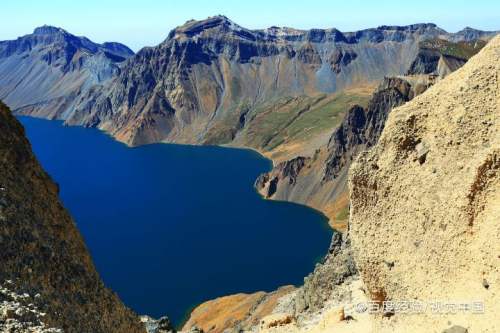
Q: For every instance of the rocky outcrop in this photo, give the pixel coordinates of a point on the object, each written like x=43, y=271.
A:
x=47, y=277
x=349, y=135
x=323, y=183
x=267, y=183
x=324, y=283
x=440, y=57
x=341, y=59
x=19, y=314
x=43, y=73
x=234, y=313
x=426, y=200
x=321, y=179
x=161, y=325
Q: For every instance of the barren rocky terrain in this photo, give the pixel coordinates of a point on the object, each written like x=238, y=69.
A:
x=47, y=279
x=425, y=200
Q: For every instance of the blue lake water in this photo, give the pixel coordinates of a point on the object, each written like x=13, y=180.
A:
x=170, y=226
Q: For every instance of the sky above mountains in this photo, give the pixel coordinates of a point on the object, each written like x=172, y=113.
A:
x=147, y=22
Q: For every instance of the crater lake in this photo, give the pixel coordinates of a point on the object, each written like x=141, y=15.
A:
x=170, y=226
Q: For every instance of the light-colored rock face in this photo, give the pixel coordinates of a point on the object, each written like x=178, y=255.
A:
x=18, y=313
x=425, y=202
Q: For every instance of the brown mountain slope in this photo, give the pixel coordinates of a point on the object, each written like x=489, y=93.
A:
x=213, y=81
x=425, y=215
x=42, y=253
x=319, y=178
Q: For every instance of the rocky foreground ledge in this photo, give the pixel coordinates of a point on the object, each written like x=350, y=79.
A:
x=425, y=214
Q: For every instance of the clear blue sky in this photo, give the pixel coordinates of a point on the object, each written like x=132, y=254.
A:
x=139, y=23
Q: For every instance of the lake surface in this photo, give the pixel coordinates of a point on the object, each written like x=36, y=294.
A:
x=170, y=226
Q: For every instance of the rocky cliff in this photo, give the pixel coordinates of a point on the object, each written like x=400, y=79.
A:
x=321, y=179
x=213, y=81
x=210, y=79
x=425, y=214
x=441, y=57
x=43, y=73
x=47, y=279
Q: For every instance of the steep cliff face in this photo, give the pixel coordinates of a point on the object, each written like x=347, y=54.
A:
x=321, y=181
x=45, y=266
x=210, y=80
x=426, y=200
x=42, y=73
x=441, y=57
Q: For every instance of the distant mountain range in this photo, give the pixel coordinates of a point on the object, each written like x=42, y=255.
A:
x=210, y=81
x=44, y=72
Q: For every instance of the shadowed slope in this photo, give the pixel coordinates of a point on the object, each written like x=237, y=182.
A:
x=41, y=250
x=43, y=73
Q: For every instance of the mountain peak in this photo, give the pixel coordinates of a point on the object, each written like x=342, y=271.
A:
x=48, y=30
x=217, y=23
x=469, y=34
x=469, y=29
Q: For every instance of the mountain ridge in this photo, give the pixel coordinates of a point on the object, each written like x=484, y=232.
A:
x=208, y=79
x=195, y=85
x=48, y=69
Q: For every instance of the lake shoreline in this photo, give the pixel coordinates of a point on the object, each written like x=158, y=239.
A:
x=222, y=151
